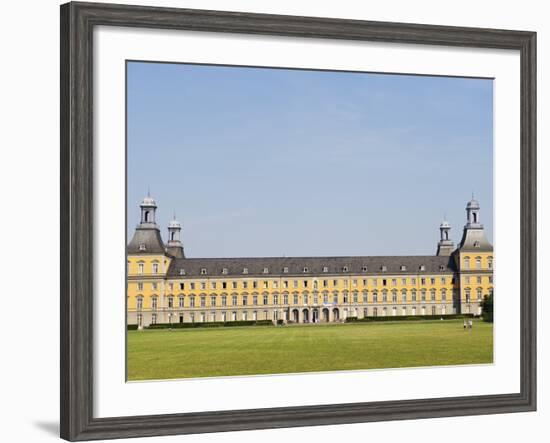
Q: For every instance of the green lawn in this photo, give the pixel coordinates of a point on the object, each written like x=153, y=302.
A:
x=163, y=354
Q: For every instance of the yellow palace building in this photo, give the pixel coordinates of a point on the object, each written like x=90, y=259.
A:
x=164, y=286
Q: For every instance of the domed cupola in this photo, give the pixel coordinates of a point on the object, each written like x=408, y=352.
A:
x=445, y=245
x=174, y=245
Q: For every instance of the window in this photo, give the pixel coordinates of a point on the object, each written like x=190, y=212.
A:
x=224, y=271
x=404, y=296
x=478, y=262
x=285, y=284
x=345, y=297
x=384, y=268
x=245, y=270
x=285, y=299
x=479, y=295
x=192, y=301
x=375, y=282
x=275, y=284
x=403, y=281
x=234, y=285
x=224, y=300
x=295, y=299
x=255, y=284
x=422, y=281
x=140, y=268
x=422, y=268
x=441, y=267
x=245, y=300
x=334, y=282
x=305, y=283
x=423, y=295
x=478, y=280
x=295, y=284
x=285, y=270
x=140, y=286
x=203, y=271
x=182, y=286
x=181, y=301
x=224, y=285
x=245, y=284
x=432, y=294
x=254, y=300
x=413, y=281
x=490, y=262
x=375, y=297
x=203, y=285
x=466, y=262
x=171, y=286
x=467, y=295
x=265, y=299
x=413, y=295
x=365, y=297
x=384, y=282
x=335, y=298
x=443, y=295
x=170, y=302
x=139, y=302
x=154, y=319
x=443, y=280
x=364, y=269
x=203, y=301
x=213, y=285
x=275, y=299
x=154, y=286
x=305, y=269
x=432, y=281
x=325, y=269
x=325, y=298
x=266, y=271
x=155, y=268
x=375, y=312
x=266, y=284
x=315, y=284
x=192, y=285
x=433, y=310
x=403, y=268
x=142, y=247
x=182, y=271
x=234, y=300
x=345, y=269
x=394, y=296
x=394, y=282
x=213, y=300
x=154, y=303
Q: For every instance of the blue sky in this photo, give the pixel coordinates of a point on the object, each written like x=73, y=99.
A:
x=273, y=162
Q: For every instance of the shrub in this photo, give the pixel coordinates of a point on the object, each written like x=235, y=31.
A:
x=211, y=324
x=131, y=327
x=408, y=318
x=487, y=309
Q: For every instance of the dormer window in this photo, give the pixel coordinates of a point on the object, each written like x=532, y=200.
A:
x=476, y=244
x=224, y=271
x=203, y=271
x=285, y=270
x=422, y=268
x=441, y=268
x=142, y=247
x=403, y=268
x=384, y=268
x=364, y=269
x=345, y=269
x=266, y=270
x=182, y=271
x=305, y=269
x=245, y=270
x=325, y=268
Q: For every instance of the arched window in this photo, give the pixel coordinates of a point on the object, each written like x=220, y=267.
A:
x=490, y=262
x=466, y=262
x=146, y=218
x=478, y=262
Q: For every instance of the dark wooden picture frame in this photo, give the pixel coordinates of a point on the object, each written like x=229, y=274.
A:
x=77, y=23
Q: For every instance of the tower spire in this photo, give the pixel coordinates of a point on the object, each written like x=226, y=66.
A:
x=174, y=245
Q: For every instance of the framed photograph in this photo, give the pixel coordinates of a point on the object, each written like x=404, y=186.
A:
x=275, y=221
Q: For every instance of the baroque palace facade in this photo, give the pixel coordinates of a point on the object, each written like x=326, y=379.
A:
x=163, y=286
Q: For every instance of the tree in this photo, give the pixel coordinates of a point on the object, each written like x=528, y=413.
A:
x=487, y=308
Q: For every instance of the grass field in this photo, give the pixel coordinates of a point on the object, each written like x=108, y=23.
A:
x=164, y=354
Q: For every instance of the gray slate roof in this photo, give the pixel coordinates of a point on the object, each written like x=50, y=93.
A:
x=314, y=265
x=150, y=237
x=474, y=239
